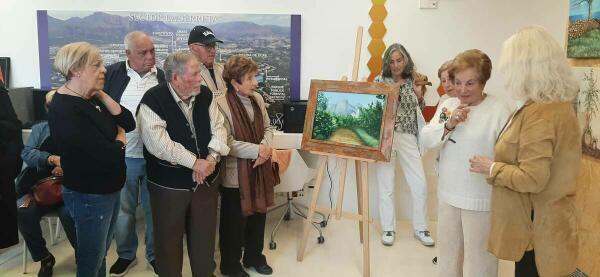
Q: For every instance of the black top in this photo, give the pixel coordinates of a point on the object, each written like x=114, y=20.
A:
x=160, y=100
x=10, y=138
x=84, y=133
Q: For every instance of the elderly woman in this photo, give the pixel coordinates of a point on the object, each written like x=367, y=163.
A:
x=446, y=82
x=398, y=68
x=463, y=197
x=536, y=161
x=88, y=128
x=247, y=190
x=42, y=161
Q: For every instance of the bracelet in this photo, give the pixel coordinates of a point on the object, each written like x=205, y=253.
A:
x=448, y=129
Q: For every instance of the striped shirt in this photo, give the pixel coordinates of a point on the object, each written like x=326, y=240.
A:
x=153, y=130
x=137, y=86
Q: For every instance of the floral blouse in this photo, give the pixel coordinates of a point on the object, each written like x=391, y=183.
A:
x=406, y=114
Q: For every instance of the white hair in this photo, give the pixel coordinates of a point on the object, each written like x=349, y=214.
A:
x=175, y=63
x=536, y=68
x=131, y=37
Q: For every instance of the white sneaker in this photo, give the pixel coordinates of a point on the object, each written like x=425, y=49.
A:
x=424, y=237
x=388, y=238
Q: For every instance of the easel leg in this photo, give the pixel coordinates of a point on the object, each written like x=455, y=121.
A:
x=342, y=185
x=364, y=185
x=313, y=206
x=358, y=169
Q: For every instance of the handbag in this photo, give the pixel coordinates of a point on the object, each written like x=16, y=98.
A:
x=48, y=191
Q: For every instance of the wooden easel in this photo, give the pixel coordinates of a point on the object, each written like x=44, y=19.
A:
x=362, y=187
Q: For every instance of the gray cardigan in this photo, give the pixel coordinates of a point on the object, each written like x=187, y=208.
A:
x=241, y=149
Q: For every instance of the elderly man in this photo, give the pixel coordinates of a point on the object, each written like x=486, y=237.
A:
x=126, y=82
x=184, y=138
x=203, y=44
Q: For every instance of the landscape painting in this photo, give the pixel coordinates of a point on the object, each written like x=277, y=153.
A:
x=584, y=29
x=350, y=119
x=588, y=110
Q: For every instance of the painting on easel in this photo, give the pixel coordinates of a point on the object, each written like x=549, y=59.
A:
x=352, y=119
x=584, y=29
x=588, y=109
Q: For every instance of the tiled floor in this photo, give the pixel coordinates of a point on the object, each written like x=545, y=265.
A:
x=340, y=255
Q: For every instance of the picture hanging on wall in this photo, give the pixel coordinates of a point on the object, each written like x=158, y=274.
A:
x=271, y=40
x=588, y=109
x=4, y=71
x=350, y=119
x=584, y=29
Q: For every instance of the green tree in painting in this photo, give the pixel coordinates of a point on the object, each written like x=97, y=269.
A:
x=590, y=102
x=589, y=4
x=324, y=122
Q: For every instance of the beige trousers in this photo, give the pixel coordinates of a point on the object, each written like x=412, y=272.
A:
x=462, y=243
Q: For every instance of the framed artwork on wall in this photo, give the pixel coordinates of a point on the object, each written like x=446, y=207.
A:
x=350, y=119
x=588, y=109
x=5, y=71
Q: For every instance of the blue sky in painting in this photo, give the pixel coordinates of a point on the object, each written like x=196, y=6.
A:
x=354, y=99
x=581, y=11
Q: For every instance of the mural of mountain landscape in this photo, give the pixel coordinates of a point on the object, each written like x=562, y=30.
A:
x=584, y=29
x=265, y=38
x=348, y=118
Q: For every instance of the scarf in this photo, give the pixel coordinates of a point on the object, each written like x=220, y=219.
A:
x=256, y=184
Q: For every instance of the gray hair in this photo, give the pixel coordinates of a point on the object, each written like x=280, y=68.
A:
x=175, y=63
x=387, y=56
x=131, y=37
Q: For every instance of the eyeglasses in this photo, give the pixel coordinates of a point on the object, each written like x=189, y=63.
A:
x=207, y=46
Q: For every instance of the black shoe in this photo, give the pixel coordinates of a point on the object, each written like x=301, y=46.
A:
x=264, y=269
x=152, y=265
x=46, y=266
x=121, y=267
x=434, y=261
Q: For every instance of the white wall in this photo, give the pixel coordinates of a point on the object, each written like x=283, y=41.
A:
x=328, y=34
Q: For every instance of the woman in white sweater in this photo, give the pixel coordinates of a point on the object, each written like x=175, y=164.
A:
x=464, y=198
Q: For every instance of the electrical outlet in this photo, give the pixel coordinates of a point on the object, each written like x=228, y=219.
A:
x=428, y=4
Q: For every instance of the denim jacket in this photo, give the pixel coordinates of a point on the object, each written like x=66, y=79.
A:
x=31, y=154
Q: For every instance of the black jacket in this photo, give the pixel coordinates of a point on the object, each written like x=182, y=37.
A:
x=116, y=79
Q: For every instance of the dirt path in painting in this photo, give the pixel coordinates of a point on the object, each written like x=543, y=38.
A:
x=343, y=135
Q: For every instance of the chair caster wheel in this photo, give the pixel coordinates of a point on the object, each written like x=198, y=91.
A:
x=272, y=245
x=323, y=224
x=321, y=239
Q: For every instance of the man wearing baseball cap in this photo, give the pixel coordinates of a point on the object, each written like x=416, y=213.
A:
x=203, y=44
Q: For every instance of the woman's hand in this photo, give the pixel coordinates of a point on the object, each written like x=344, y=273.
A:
x=57, y=171
x=121, y=135
x=459, y=115
x=260, y=161
x=54, y=160
x=481, y=164
x=264, y=151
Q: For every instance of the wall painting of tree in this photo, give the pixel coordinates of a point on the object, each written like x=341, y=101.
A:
x=588, y=109
x=584, y=29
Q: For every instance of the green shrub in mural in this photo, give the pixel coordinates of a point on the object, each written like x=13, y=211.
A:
x=349, y=118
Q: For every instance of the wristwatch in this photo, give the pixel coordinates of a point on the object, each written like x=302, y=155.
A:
x=215, y=156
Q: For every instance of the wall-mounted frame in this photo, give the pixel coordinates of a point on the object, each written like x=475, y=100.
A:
x=350, y=119
x=5, y=71
x=582, y=44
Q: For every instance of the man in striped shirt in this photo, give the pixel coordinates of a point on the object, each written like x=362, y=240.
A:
x=126, y=82
x=184, y=138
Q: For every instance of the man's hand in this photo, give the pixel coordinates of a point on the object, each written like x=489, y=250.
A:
x=202, y=169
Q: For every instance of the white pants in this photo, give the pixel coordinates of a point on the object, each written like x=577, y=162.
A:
x=405, y=150
x=462, y=243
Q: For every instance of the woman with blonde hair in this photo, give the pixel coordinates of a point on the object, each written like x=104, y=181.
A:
x=88, y=128
x=536, y=160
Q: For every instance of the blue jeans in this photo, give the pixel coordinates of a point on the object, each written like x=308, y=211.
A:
x=29, y=224
x=95, y=216
x=125, y=234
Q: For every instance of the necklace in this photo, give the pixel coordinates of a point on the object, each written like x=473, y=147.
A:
x=86, y=100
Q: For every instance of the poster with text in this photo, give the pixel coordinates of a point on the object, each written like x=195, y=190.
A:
x=271, y=40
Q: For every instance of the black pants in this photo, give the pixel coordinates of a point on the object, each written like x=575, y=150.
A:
x=526, y=266
x=236, y=230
